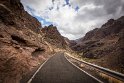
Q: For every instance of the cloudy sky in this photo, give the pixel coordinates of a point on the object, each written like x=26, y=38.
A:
x=74, y=18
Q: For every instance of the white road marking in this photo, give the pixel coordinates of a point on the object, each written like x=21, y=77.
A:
x=84, y=71
x=38, y=70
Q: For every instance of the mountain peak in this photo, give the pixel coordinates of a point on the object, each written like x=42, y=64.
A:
x=104, y=43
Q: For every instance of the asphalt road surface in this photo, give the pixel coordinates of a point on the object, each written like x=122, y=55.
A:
x=58, y=70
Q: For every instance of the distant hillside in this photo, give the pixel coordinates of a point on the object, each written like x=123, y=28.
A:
x=105, y=44
x=52, y=36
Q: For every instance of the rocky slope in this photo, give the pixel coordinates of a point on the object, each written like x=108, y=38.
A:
x=21, y=42
x=105, y=45
x=53, y=37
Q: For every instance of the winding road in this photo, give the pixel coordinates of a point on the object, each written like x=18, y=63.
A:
x=59, y=70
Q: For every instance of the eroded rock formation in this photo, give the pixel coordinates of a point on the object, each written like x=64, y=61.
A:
x=104, y=44
x=21, y=44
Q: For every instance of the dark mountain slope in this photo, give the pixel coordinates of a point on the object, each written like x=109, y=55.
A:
x=104, y=44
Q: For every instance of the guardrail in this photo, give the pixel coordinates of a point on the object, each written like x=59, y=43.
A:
x=106, y=71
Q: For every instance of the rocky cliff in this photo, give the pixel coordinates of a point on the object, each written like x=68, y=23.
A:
x=104, y=44
x=53, y=37
x=21, y=42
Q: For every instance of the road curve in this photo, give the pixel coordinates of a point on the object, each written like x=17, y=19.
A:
x=58, y=70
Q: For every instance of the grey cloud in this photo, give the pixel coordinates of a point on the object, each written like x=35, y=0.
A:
x=91, y=15
x=110, y=6
x=66, y=30
x=109, y=10
x=123, y=7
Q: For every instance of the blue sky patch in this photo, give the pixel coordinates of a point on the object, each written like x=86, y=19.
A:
x=76, y=8
x=31, y=10
x=42, y=20
x=67, y=2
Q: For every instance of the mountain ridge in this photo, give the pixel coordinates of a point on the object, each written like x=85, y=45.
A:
x=104, y=45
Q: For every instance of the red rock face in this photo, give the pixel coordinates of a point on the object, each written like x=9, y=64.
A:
x=54, y=37
x=12, y=13
x=21, y=45
x=104, y=44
